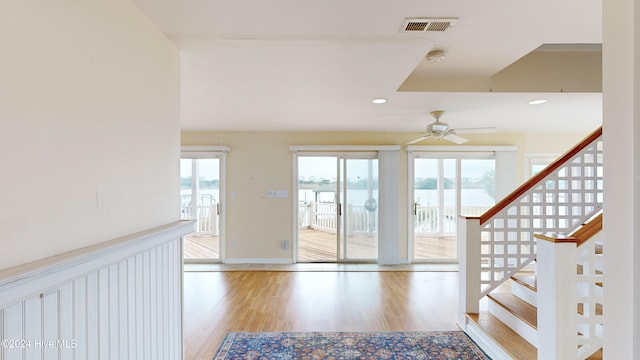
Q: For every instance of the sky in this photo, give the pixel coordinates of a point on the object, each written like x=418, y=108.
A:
x=471, y=168
x=208, y=168
x=325, y=167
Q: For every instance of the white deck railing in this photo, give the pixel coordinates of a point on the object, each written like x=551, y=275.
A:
x=206, y=214
x=206, y=218
x=429, y=221
x=322, y=216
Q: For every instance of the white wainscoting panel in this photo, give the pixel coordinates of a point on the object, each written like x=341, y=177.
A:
x=118, y=300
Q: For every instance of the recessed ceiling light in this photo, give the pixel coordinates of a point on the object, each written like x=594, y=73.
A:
x=379, y=101
x=536, y=102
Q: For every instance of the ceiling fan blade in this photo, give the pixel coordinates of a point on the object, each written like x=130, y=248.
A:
x=480, y=130
x=419, y=139
x=455, y=139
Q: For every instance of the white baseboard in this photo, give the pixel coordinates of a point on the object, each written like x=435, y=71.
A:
x=258, y=261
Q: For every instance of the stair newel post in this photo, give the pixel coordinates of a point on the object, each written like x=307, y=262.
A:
x=557, y=298
x=468, y=238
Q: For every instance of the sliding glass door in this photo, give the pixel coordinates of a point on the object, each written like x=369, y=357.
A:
x=337, y=208
x=445, y=186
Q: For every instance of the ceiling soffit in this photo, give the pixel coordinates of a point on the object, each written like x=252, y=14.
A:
x=547, y=69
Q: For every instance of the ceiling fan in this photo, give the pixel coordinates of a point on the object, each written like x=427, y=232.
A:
x=442, y=130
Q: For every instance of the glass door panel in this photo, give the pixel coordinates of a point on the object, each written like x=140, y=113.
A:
x=359, y=238
x=199, y=201
x=317, y=208
x=478, y=187
x=434, y=209
x=426, y=196
x=443, y=189
x=337, y=208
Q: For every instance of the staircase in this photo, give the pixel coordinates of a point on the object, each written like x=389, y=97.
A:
x=531, y=267
x=513, y=305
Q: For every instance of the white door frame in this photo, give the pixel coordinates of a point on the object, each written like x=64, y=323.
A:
x=347, y=151
x=220, y=153
x=454, y=152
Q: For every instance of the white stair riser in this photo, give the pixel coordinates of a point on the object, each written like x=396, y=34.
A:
x=525, y=293
x=486, y=342
x=515, y=323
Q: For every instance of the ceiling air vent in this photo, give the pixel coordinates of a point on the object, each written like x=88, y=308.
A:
x=413, y=25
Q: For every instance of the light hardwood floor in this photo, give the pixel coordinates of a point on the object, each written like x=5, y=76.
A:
x=219, y=302
x=324, y=300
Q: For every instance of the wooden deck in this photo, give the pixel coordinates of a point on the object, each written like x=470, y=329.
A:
x=321, y=246
x=201, y=247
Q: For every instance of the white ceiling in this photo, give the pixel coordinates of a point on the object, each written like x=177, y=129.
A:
x=303, y=65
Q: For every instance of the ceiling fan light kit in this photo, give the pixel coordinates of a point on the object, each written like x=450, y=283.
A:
x=438, y=127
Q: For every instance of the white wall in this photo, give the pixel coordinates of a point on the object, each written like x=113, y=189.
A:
x=89, y=126
x=621, y=134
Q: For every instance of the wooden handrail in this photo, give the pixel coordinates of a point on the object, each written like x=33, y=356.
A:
x=588, y=230
x=533, y=181
x=556, y=239
x=579, y=237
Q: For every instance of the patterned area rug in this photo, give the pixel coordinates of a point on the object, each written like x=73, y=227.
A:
x=350, y=345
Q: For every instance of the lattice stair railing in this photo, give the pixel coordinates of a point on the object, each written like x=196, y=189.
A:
x=589, y=286
x=590, y=297
x=559, y=200
x=563, y=288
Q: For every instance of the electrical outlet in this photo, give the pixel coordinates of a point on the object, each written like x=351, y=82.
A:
x=285, y=244
x=232, y=244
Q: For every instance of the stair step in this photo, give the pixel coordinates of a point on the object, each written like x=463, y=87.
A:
x=526, y=279
x=507, y=339
x=512, y=343
x=596, y=356
x=519, y=308
x=523, y=285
